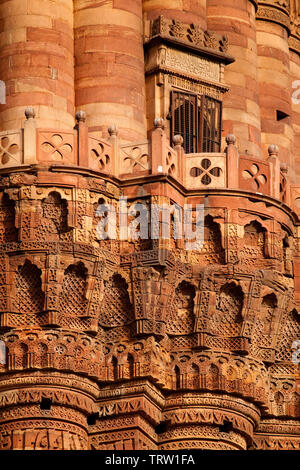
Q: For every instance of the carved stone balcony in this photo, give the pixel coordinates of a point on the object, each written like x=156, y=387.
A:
x=29, y=146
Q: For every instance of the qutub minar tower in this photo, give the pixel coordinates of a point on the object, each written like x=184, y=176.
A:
x=142, y=343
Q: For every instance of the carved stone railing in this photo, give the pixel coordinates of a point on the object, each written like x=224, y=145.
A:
x=194, y=171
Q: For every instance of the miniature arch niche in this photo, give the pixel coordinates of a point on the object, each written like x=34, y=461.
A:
x=177, y=378
x=213, y=236
x=213, y=375
x=29, y=295
x=116, y=309
x=193, y=374
x=229, y=305
x=98, y=206
x=55, y=210
x=287, y=251
x=73, y=301
x=181, y=317
x=268, y=305
x=130, y=361
x=255, y=236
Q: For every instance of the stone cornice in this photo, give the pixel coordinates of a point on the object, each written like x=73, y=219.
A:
x=188, y=37
x=125, y=182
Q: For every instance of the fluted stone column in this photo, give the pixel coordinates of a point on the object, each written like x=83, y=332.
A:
x=294, y=46
x=37, y=62
x=193, y=11
x=109, y=71
x=273, y=25
x=241, y=115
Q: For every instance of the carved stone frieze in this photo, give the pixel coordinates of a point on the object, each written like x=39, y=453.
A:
x=189, y=33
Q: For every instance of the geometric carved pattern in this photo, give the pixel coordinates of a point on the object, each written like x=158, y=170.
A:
x=56, y=147
x=99, y=155
x=29, y=296
x=253, y=242
x=207, y=171
x=261, y=337
x=10, y=149
x=7, y=150
x=290, y=332
x=54, y=218
x=254, y=176
x=212, y=248
x=181, y=314
x=116, y=309
x=227, y=319
x=72, y=301
x=135, y=158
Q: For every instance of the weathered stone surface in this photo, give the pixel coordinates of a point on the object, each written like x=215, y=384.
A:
x=141, y=343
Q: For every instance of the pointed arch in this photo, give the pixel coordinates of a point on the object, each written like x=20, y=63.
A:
x=54, y=218
x=254, y=241
x=213, y=241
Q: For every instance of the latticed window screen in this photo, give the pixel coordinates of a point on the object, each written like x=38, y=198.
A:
x=184, y=119
x=198, y=120
x=210, y=124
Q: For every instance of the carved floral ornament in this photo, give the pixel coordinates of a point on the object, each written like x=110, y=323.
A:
x=191, y=33
x=9, y=149
x=56, y=147
x=207, y=171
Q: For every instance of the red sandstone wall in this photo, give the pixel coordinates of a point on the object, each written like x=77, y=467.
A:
x=241, y=108
x=275, y=91
x=187, y=11
x=37, y=61
x=109, y=66
x=295, y=76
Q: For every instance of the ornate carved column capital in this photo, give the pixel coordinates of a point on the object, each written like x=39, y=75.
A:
x=275, y=11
